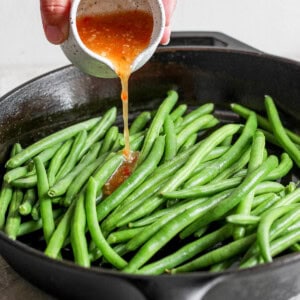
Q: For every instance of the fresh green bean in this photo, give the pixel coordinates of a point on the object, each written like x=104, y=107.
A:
x=288, y=199
x=266, y=201
x=99, y=130
x=187, y=252
x=78, y=238
x=57, y=160
x=283, y=168
x=204, y=148
x=60, y=187
x=171, y=140
x=250, y=182
x=94, y=228
x=157, y=123
x=279, y=131
x=32, y=226
x=136, y=178
x=45, y=201
x=49, y=152
x=204, y=109
x=73, y=157
x=262, y=122
x=243, y=219
x=170, y=229
x=218, y=255
x=193, y=127
x=49, y=141
x=109, y=139
x=256, y=159
x=222, y=266
x=5, y=199
x=15, y=174
x=268, y=187
x=178, y=112
x=190, y=141
x=205, y=190
x=35, y=211
x=140, y=122
x=61, y=233
x=123, y=235
x=25, y=182
x=13, y=219
x=264, y=227
x=28, y=201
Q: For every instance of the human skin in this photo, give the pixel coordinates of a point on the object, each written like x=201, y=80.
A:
x=55, y=19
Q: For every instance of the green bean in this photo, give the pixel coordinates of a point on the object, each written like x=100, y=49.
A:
x=32, y=226
x=15, y=174
x=200, y=232
x=222, y=266
x=256, y=159
x=132, y=182
x=170, y=229
x=264, y=227
x=240, y=219
x=60, y=187
x=227, y=141
x=49, y=141
x=283, y=168
x=279, y=131
x=28, y=201
x=79, y=181
x=235, y=168
x=61, y=233
x=140, y=122
x=218, y=255
x=99, y=130
x=35, y=211
x=157, y=123
x=264, y=202
x=250, y=182
x=109, y=139
x=78, y=239
x=205, y=147
x=190, y=141
x=45, y=201
x=94, y=228
x=268, y=187
x=187, y=252
x=178, y=112
x=193, y=127
x=49, y=152
x=57, y=161
x=205, y=190
x=262, y=122
x=228, y=158
x=123, y=235
x=177, y=124
x=25, y=182
x=288, y=199
x=198, y=112
x=171, y=140
x=13, y=219
x=73, y=157
x=277, y=246
x=5, y=199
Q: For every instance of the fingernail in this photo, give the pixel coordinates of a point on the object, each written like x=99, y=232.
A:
x=54, y=34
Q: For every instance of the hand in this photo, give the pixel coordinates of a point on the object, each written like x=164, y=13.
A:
x=55, y=19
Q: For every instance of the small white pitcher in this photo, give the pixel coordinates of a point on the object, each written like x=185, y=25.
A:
x=95, y=64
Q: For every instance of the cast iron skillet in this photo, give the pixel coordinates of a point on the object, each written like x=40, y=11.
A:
x=202, y=67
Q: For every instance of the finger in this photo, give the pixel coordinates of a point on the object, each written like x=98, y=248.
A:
x=169, y=6
x=166, y=36
x=55, y=19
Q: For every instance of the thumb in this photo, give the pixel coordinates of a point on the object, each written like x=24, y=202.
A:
x=55, y=19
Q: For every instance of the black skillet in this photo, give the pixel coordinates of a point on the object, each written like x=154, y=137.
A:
x=202, y=67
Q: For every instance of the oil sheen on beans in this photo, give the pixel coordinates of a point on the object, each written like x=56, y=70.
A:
x=120, y=37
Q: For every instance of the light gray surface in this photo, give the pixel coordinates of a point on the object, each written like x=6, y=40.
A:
x=13, y=287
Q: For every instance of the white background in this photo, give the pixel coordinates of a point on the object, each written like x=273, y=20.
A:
x=269, y=25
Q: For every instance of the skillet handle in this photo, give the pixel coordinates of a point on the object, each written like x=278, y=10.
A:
x=205, y=39
x=182, y=288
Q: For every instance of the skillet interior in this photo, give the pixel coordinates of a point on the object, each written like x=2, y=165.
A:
x=200, y=75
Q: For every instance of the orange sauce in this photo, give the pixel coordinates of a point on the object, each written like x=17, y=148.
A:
x=120, y=37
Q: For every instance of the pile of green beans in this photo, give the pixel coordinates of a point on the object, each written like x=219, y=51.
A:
x=202, y=195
